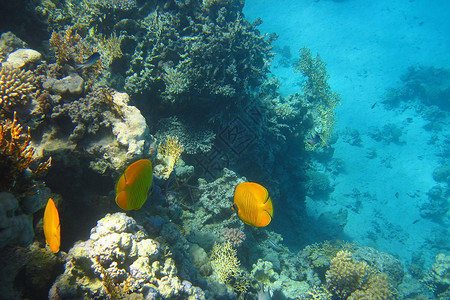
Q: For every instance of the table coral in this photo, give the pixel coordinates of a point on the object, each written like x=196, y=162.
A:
x=119, y=260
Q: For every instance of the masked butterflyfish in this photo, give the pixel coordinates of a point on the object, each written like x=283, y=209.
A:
x=51, y=226
x=133, y=186
x=253, y=204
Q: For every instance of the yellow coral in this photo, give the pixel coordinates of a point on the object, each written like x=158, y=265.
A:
x=349, y=279
x=15, y=85
x=225, y=264
x=224, y=261
x=168, y=154
x=345, y=275
x=377, y=287
x=16, y=155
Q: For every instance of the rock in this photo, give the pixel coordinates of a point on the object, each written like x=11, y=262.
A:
x=21, y=57
x=16, y=228
x=72, y=84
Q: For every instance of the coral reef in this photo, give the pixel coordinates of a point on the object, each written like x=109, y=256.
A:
x=225, y=265
x=102, y=126
x=119, y=260
x=169, y=152
x=68, y=46
x=17, y=228
x=351, y=279
x=234, y=236
x=321, y=99
x=438, y=278
x=427, y=84
x=283, y=285
x=437, y=205
x=345, y=275
x=16, y=155
x=16, y=85
x=216, y=54
x=318, y=184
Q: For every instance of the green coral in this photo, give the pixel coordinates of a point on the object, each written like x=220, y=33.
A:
x=319, y=97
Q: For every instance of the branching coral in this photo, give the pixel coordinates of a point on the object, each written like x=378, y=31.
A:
x=345, y=275
x=235, y=236
x=69, y=46
x=109, y=48
x=168, y=154
x=321, y=100
x=15, y=86
x=16, y=155
x=350, y=279
x=225, y=264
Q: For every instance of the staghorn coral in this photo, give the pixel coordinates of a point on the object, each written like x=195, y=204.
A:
x=345, y=275
x=15, y=86
x=16, y=155
x=234, y=236
x=169, y=152
x=319, y=97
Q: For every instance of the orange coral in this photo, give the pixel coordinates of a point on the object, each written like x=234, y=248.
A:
x=16, y=155
x=15, y=85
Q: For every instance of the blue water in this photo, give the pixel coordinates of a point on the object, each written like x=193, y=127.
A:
x=367, y=46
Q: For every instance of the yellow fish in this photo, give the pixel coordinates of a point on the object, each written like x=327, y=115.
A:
x=133, y=186
x=51, y=226
x=253, y=204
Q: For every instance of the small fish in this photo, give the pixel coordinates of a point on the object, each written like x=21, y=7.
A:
x=253, y=204
x=276, y=247
x=416, y=221
x=133, y=186
x=373, y=105
x=397, y=195
x=90, y=61
x=52, y=228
